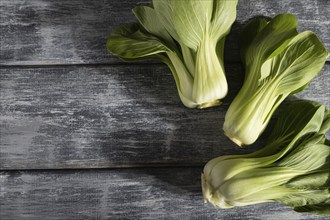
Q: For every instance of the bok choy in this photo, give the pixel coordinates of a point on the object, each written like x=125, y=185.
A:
x=189, y=37
x=293, y=168
x=278, y=62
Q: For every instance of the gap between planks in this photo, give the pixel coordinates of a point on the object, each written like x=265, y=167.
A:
x=37, y=66
x=114, y=168
x=119, y=64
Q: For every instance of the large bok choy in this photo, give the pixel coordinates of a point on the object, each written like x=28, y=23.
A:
x=186, y=35
x=278, y=62
x=293, y=168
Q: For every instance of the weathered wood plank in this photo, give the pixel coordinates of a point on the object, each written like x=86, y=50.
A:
x=112, y=116
x=75, y=31
x=172, y=193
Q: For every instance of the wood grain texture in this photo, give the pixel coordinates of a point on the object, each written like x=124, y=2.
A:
x=172, y=193
x=113, y=116
x=41, y=32
x=109, y=116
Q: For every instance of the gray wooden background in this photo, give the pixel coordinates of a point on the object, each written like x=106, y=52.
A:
x=85, y=136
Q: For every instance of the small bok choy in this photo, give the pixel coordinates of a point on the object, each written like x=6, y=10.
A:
x=293, y=168
x=278, y=62
x=186, y=35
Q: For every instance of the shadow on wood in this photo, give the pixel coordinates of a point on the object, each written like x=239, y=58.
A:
x=164, y=131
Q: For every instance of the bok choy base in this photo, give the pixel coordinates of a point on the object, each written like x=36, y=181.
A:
x=293, y=168
x=278, y=62
x=189, y=37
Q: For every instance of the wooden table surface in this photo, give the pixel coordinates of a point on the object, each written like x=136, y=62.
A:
x=86, y=136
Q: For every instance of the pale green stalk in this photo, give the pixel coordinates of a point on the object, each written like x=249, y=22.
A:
x=278, y=62
x=293, y=168
x=186, y=35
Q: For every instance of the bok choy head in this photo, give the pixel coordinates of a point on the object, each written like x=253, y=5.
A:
x=186, y=35
x=278, y=62
x=293, y=168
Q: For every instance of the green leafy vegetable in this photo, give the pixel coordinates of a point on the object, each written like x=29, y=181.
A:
x=278, y=62
x=189, y=37
x=293, y=168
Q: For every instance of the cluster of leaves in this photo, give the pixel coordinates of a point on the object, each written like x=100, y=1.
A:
x=279, y=62
x=189, y=37
x=293, y=168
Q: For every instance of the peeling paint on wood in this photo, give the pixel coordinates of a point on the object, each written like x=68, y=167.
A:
x=161, y=193
x=94, y=117
x=74, y=32
x=107, y=116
